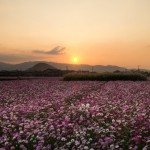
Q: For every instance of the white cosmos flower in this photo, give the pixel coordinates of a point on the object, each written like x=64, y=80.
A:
x=86, y=147
x=87, y=105
x=63, y=139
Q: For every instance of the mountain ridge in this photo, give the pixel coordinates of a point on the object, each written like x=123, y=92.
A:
x=62, y=66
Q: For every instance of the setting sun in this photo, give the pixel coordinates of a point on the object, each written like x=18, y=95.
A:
x=75, y=60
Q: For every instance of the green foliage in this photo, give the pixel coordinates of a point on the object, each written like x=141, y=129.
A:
x=105, y=77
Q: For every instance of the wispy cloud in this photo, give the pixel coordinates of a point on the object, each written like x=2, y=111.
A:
x=16, y=58
x=19, y=58
x=55, y=51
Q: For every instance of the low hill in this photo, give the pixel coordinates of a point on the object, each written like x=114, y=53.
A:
x=41, y=67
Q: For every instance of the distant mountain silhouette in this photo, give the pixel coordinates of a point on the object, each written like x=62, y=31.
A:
x=5, y=66
x=41, y=67
x=61, y=66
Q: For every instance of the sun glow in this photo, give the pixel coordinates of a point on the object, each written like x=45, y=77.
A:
x=75, y=59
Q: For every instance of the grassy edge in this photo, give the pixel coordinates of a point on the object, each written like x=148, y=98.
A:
x=105, y=77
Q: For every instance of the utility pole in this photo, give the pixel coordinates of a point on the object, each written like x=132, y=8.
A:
x=92, y=69
x=81, y=68
x=66, y=68
x=138, y=68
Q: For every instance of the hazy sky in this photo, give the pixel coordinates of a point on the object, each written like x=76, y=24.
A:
x=115, y=32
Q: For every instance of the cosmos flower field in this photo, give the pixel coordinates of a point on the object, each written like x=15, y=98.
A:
x=49, y=113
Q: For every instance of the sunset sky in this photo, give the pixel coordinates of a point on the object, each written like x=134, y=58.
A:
x=104, y=32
